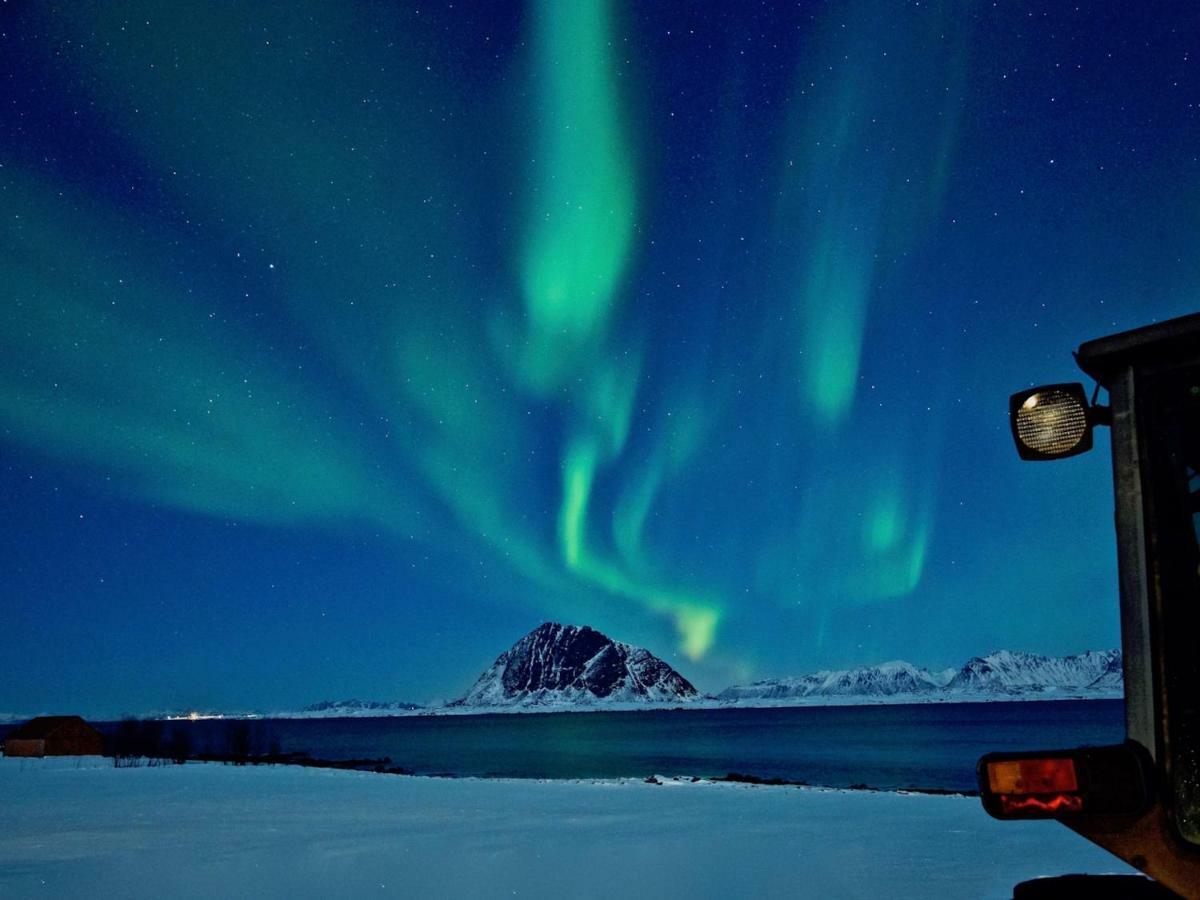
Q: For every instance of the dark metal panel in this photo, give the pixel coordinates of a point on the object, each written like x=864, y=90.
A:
x=1106, y=357
x=1140, y=716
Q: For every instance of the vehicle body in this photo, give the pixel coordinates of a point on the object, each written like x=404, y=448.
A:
x=1139, y=800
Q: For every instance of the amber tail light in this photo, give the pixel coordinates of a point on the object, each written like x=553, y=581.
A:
x=1052, y=784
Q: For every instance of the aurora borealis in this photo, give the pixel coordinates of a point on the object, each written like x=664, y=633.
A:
x=340, y=344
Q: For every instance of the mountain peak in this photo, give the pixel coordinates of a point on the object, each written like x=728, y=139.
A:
x=557, y=664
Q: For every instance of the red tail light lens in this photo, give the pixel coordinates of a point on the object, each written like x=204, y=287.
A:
x=1052, y=804
x=1103, y=781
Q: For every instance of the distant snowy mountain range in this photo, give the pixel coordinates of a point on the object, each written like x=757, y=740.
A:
x=346, y=709
x=568, y=667
x=1002, y=675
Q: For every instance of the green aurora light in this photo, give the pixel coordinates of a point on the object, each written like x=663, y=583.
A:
x=495, y=299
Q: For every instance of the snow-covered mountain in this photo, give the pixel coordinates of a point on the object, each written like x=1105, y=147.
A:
x=1007, y=672
x=345, y=709
x=1112, y=678
x=997, y=676
x=566, y=665
x=883, y=680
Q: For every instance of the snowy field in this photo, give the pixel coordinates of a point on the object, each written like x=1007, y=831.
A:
x=74, y=828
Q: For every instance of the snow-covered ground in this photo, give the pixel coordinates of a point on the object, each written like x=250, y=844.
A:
x=73, y=829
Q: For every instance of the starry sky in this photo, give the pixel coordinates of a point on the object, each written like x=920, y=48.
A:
x=343, y=343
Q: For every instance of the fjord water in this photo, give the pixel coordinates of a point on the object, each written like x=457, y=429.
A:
x=930, y=746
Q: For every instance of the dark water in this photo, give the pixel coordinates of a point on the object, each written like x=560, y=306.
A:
x=926, y=746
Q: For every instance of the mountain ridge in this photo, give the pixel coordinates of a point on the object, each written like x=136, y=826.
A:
x=354, y=708
x=560, y=667
x=575, y=665
x=1001, y=674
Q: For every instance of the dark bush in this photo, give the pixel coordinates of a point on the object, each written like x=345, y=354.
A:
x=179, y=746
x=241, y=743
x=125, y=744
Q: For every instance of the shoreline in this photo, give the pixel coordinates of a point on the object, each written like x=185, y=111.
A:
x=384, y=766
x=535, y=710
x=904, y=700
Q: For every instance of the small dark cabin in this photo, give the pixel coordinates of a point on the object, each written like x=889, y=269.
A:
x=55, y=736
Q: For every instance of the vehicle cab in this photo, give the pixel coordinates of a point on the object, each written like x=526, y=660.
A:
x=1141, y=799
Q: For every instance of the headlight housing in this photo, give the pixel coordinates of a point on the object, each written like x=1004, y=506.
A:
x=1053, y=421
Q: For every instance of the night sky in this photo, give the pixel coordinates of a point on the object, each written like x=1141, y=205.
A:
x=343, y=343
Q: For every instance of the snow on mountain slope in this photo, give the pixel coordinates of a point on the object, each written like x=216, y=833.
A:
x=345, y=709
x=897, y=677
x=883, y=680
x=999, y=675
x=566, y=667
x=1006, y=671
x=943, y=677
x=1112, y=678
x=557, y=665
